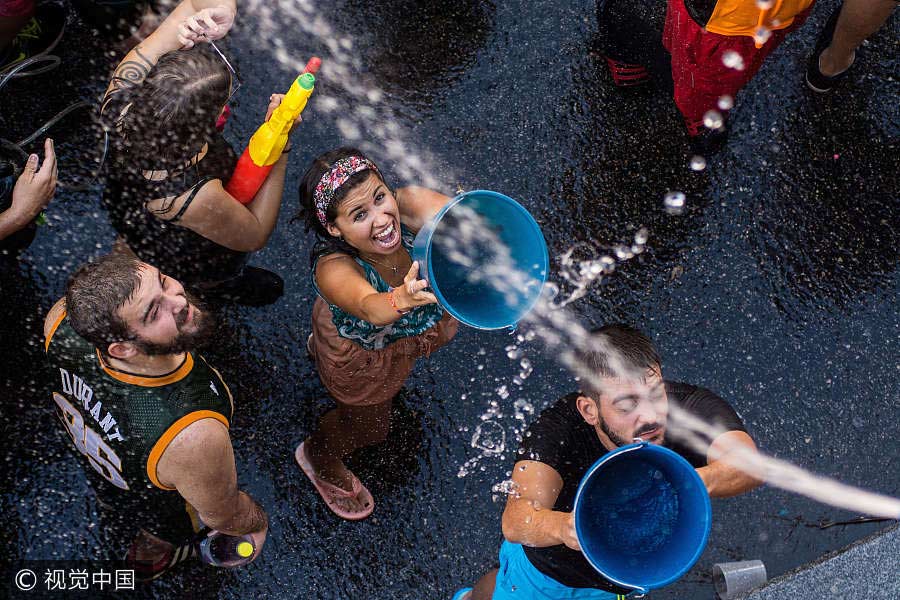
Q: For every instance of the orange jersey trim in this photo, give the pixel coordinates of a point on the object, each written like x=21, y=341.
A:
x=743, y=17
x=177, y=427
x=149, y=381
x=53, y=331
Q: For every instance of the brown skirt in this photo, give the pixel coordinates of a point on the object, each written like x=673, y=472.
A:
x=360, y=377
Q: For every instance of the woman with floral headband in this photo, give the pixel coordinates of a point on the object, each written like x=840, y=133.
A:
x=373, y=317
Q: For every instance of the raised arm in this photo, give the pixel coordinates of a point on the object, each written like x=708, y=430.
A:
x=721, y=477
x=216, y=215
x=342, y=282
x=527, y=518
x=199, y=463
x=178, y=30
x=418, y=205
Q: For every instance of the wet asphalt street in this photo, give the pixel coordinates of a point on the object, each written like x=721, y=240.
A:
x=777, y=288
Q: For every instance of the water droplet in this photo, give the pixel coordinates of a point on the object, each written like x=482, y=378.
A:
x=622, y=252
x=733, y=60
x=713, y=119
x=489, y=437
x=503, y=392
x=513, y=352
x=726, y=102
x=641, y=236
x=674, y=203
x=698, y=163
x=608, y=263
x=762, y=35
x=551, y=290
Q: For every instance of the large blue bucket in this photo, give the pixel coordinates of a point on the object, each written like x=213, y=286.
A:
x=480, y=303
x=642, y=515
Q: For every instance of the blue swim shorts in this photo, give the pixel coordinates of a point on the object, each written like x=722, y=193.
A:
x=518, y=579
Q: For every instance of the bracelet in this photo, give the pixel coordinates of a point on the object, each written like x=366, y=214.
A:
x=394, y=303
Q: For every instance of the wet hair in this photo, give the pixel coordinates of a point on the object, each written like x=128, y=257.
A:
x=328, y=244
x=636, y=354
x=94, y=295
x=173, y=111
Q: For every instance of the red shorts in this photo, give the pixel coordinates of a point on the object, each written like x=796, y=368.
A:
x=699, y=75
x=16, y=8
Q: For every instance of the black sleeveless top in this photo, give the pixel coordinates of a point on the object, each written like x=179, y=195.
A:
x=172, y=248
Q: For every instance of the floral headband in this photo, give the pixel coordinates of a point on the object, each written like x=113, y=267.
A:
x=331, y=181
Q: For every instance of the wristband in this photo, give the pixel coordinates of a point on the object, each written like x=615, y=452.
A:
x=394, y=303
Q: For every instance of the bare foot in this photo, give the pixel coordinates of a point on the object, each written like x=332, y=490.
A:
x=335, y=472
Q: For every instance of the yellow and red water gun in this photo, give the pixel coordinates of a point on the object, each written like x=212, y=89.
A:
x=269, y=141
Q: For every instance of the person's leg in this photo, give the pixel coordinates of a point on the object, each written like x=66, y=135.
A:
x=858, y=20
x=341, y=431
x=484, y=589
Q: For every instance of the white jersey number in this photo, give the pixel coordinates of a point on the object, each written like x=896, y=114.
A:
x=99, y=454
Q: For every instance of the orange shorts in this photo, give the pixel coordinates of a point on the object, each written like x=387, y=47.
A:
x=360, y=377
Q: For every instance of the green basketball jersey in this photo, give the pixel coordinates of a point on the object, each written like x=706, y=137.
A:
x=121, y=423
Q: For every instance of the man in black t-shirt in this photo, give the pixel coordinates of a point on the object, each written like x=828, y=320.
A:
x=628, y=399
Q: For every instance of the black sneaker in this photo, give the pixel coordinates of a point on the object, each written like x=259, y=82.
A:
x=815, y=79
x=253, y=287
x=38, y=36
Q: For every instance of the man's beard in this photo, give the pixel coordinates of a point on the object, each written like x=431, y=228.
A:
x=619, y=441
x=183, y=342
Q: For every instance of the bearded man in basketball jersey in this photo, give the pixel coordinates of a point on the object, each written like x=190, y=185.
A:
x=148, y=415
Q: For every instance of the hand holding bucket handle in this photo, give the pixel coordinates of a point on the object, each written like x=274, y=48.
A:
x=412, y=293
x=567, y=532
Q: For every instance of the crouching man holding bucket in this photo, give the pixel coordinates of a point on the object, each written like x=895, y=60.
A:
x=638, y=518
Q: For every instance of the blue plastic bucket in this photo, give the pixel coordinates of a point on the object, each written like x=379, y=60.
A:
x=480, y=303
x=642, y=515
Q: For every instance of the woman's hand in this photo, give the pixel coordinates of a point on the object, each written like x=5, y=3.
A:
x=208, y=24
x=274, y=102
x=411, y=294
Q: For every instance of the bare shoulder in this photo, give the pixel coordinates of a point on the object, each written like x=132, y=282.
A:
x=200, y=438
x=53, y=317
x=335, y=271
x=200, y=451
x=205, y=197
x=338, y=265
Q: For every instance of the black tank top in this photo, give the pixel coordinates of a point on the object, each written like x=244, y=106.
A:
x=172, y=248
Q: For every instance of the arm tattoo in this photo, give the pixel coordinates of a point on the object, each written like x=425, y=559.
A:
x=131, y=72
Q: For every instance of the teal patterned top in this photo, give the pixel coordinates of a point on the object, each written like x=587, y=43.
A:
x=372, y=337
